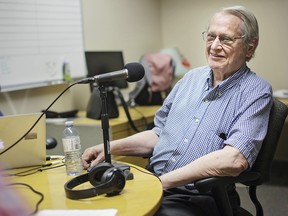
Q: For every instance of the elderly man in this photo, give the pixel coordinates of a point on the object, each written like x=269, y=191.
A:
x=212, y=123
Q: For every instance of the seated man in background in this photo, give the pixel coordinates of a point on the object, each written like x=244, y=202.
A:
x=212, y=123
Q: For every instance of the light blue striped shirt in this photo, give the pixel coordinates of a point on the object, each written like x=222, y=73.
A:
x=197, y=118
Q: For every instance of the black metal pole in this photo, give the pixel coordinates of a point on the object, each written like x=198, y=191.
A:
x=105, y=122
x=105, y=128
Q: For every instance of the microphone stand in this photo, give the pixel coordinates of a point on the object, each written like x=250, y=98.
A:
x=105, y=128
x=105, y=122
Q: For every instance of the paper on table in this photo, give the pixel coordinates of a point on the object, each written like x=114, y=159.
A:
x=76, y=212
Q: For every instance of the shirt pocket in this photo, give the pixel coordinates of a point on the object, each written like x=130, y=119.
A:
x=214, y=141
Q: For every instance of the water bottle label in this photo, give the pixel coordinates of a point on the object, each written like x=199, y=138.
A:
x=71, y=144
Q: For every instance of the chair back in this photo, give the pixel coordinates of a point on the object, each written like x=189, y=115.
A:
x=264, y=159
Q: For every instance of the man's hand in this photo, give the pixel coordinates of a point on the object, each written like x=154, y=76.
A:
x=93, y=156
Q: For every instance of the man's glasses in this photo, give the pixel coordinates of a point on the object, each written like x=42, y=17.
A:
x=227, y=40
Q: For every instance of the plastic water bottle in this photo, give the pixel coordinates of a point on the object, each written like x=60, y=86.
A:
x=72, y=150
x=66, y=72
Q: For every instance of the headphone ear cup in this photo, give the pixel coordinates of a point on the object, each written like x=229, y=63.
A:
x=96, y=173
x=115, y=179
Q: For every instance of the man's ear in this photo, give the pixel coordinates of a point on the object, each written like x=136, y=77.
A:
x=251, y=48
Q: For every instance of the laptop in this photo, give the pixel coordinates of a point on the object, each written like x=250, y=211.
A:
x=31, y=150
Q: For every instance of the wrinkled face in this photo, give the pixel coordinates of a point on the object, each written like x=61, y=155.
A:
x=225, y=48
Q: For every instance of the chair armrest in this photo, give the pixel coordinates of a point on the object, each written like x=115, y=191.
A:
x=218, y=187
x=207, y=184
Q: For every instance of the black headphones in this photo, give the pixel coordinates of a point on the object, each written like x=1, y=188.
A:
x=104, y=177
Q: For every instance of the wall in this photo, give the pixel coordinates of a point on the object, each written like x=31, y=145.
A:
x=129, y=25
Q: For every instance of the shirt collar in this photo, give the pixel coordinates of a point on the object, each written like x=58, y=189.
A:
x=227, y=83
x=230, y=80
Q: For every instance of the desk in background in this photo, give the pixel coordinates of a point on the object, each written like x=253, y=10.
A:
x=283, y=100
x=120, y=127
x=141, y=196
x=91, y=132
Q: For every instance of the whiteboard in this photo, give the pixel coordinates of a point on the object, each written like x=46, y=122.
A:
x=37, y=38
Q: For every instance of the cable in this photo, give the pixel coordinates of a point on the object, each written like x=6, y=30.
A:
x=54, y=157
x=125, y=106
x=54, y=167
x=37, y=169
x=35, y=191
x=126, y=109
x=27, y=172
x=148, y=173
x=44, y=112
x=143, y=117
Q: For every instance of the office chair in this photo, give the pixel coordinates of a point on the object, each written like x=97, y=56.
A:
x=259, y=173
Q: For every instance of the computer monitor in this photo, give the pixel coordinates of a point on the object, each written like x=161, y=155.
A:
x=100, y=62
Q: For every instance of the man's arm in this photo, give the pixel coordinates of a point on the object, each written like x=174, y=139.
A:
x=140, y=144
x=225, y=162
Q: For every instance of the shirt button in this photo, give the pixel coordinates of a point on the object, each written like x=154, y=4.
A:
x=185, y=140
x=173, y=160
x=196, y=119
x=206, y=100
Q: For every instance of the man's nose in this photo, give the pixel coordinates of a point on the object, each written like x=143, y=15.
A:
x=216, y=44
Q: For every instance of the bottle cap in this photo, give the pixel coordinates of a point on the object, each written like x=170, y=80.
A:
x=68, y=123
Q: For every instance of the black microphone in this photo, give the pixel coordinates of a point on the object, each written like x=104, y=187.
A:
x=132, y=72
